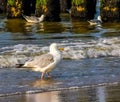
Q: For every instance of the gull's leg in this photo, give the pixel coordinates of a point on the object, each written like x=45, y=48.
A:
x=42, y=75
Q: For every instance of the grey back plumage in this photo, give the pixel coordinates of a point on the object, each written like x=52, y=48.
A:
x=41, y=61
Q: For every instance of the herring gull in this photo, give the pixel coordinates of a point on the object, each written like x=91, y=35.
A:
x=95, y=22
x=46, y=62
x=34, y=19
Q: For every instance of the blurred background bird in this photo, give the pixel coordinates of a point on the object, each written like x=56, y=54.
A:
x=34, y=19
x=95, y=22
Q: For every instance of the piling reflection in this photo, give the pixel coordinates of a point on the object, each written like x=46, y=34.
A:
x=21, y=26
x=54, y=27
x=15, y=26
x=80, y=27
x=34, y=27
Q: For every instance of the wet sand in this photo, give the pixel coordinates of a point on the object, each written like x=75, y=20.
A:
x=102, y=93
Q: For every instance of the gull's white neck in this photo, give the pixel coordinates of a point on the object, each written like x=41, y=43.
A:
x=56, y=53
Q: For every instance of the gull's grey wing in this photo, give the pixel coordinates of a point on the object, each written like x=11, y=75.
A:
x=41, y=61
x=95, y=21
x=32, y=18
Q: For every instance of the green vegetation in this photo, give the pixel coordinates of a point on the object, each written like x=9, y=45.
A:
x=41, y=2
x=102, y=2
x=10, y=2
x=14, y=8
x=78, y=2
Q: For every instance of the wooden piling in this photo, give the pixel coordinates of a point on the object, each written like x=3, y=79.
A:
x=83, y=9
x=110, y=10
x=29, y=7
x=91, y=9
x=41, y=7
x=33, y=6
x=14, y=8
x=65, y=5
x=53, y=12
x=50, y=8
x=3, y=5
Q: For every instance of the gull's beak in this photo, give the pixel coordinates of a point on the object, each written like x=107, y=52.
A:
x=61, y=49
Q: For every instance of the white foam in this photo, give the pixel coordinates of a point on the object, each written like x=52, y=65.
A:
x=103, y=47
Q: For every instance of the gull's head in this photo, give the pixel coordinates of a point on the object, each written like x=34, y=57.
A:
x=54, y=48
x=41, y=18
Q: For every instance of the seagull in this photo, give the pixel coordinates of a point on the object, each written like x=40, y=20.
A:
x=46, y=62
x=95, y=22
x=68, y=10
x=34, y=19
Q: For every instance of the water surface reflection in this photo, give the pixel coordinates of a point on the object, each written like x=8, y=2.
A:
x=108, y=93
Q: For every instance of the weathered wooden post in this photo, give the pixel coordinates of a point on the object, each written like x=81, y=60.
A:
x=91, y=8
x=53, y=13
x=83, y=9
x=65, y=5
x=78, y=10
x=26, y=7
x=51, y=9
x=69, y=4
x=41, y=7
x=3, y=5
x=110, y=10
x=29, y=7
x=14, y=8
x=33, y=6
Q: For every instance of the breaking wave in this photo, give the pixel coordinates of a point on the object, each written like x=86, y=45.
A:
x=11, y=56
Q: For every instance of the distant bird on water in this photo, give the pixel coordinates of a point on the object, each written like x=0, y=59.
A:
x=95, y=22
x=34, y=19
x=46, y=62
x=68, y=10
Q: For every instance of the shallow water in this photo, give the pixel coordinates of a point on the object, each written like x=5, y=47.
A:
x=92, y=94
x=91, y=57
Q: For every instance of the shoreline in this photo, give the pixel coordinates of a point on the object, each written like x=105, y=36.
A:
x=38, y=91
x=102, y=93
